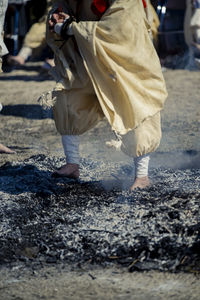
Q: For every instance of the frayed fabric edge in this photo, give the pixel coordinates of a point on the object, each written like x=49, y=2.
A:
x=46, y=100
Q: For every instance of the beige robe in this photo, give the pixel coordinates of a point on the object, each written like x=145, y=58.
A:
x=111, y=70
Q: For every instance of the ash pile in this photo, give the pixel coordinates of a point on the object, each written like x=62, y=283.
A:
x=53, y=220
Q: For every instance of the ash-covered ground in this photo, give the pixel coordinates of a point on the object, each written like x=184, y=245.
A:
x=49, y=220
x=55, y=221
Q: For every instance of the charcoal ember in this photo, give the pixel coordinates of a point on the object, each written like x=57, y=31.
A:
x=144, y=266
x=30, y=252
x=48, y=219
x=51, y=260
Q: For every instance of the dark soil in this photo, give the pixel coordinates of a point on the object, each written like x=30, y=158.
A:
x=46, y=220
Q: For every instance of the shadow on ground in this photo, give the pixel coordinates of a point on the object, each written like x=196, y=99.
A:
x=14, y=73
x=29, y=111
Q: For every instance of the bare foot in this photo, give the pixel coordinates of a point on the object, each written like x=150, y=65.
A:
x=50, y=61
x=16, y=60
x=4, y=149
x=69, y=171
x=141, y=183
x=48, y=64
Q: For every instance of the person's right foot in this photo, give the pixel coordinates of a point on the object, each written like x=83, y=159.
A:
x=141, y=183
x=4, y=149
x=68, y=170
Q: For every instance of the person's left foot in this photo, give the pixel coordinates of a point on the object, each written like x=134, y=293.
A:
x=141, y=183
x=4, y=149
x=16, y=60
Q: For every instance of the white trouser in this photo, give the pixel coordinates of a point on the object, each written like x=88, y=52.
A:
x=71, y=150
x=141, y=165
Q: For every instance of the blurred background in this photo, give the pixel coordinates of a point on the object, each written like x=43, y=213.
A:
x=175, y=34
x=24, y=33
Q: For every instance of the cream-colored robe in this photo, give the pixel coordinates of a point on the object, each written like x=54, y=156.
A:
x=109, y=69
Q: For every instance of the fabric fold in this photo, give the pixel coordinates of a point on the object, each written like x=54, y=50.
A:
x=117, y=55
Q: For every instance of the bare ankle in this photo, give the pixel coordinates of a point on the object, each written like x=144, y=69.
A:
x=72, y=165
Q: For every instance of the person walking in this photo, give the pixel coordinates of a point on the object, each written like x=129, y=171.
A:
x=3, y=51
x=106, y=66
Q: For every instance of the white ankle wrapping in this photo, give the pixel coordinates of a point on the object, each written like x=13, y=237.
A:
x=141, y=165
x=71, y=148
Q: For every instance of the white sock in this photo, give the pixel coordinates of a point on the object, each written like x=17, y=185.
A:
x=71, y=148
x=141, y=165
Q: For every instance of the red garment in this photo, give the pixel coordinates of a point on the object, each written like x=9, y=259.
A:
x=144, y=3
x=99, y=7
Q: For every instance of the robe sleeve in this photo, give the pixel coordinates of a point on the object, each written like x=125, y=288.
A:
x=122, y=63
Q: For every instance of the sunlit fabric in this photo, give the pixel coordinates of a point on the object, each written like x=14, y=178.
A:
x=110, y=68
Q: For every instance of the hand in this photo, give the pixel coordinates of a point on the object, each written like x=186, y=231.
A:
x=57, y=17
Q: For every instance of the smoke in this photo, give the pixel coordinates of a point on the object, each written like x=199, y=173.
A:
x=177, y=160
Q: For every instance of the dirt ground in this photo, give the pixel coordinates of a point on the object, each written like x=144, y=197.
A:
x=29, y=130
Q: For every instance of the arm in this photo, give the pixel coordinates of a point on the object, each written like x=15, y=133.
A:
x=60, y=22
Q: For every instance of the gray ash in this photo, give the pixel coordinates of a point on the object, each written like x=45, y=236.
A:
x=49, y=220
